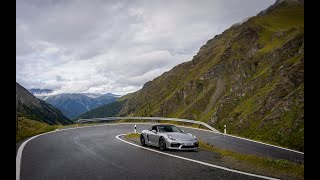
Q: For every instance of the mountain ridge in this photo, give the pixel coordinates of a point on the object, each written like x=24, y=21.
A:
x=74, y=104
x=250, y=78
x=30, y=107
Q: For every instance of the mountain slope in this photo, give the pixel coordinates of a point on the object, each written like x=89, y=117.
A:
x=72, y=105
x=33, y=108
x=107, y=110
x=250, y=78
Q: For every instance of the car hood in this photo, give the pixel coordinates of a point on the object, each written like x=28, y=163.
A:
x=181, y=136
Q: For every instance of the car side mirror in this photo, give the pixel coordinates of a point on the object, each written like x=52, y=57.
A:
x=154, y=131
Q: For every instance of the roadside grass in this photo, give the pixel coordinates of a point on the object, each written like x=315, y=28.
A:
x=183, y=124
x=77, y=125
x=271, y=166
x=28, y=128
x=132, y=136
x=277, y=168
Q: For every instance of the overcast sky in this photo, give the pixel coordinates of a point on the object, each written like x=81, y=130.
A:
x=102, y=46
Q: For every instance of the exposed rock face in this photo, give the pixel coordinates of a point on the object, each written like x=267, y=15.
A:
x=250, y=77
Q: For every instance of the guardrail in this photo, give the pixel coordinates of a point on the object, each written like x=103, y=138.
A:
x=149, y=118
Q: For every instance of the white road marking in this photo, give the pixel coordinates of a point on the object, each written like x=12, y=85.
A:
x=196, y=161
x=226, y=135
x=20, y=150
x=19, y=153
x=244, y=139
x=261, y=143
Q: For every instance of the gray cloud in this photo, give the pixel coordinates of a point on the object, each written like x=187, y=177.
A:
x=115, y=46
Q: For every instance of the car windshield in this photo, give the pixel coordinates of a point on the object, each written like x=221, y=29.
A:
x=169, y=129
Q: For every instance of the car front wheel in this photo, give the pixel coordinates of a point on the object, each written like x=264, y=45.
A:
x=142, y=140
x=162, y=144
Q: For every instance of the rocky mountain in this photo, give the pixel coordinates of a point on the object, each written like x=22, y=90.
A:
x=250, y=78
x=30, y=107
x=72, y=105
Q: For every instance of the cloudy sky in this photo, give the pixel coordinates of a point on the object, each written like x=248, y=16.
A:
x=101, y=46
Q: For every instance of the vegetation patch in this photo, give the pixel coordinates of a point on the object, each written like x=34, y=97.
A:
x=132, y=136
x=28, y=128
x=272, y=167
x=255, y=164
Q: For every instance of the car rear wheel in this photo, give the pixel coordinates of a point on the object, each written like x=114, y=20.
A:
x=142, y=140
x=162, y=144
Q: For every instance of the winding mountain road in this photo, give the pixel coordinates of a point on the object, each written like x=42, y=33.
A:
x=95, y=153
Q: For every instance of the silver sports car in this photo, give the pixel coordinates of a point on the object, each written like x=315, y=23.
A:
x=168, y=137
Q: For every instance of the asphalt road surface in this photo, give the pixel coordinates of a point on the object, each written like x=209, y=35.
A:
x=96, y=153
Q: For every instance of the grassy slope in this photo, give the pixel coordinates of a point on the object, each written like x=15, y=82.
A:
x=107, y=110
x=249, y=163
x=277, y=126
x=28, y=128
x=30, y=107
x=46, y=114
x=282, y=124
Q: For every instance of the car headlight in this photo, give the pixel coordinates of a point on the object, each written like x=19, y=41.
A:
x=194, y=137
x=172, y=138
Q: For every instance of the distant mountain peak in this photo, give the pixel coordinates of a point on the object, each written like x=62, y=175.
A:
x=30, y=107
x=74, y=104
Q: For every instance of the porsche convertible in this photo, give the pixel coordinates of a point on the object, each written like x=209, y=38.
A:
x=168, y=137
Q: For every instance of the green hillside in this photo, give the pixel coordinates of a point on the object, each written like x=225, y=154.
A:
x=28, y=128
x=30, y=107
x=107, y=110
x=250, y=77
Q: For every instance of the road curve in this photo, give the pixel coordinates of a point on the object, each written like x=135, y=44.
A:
x=247, y=147
x=95, y=153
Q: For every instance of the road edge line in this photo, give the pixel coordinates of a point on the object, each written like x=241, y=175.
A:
x=283, y=148
x=211, y=132
x=21, y=147
x=20, y=150
x=196, y=161
x=245, y=139
x=261, y=143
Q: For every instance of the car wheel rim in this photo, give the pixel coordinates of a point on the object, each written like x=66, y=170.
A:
x=162, y=144
x=142, y=140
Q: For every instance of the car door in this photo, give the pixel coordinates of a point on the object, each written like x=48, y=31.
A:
x=153, y=136
x=148, y=135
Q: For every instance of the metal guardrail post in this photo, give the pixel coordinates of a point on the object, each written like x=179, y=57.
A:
x=16, y=110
